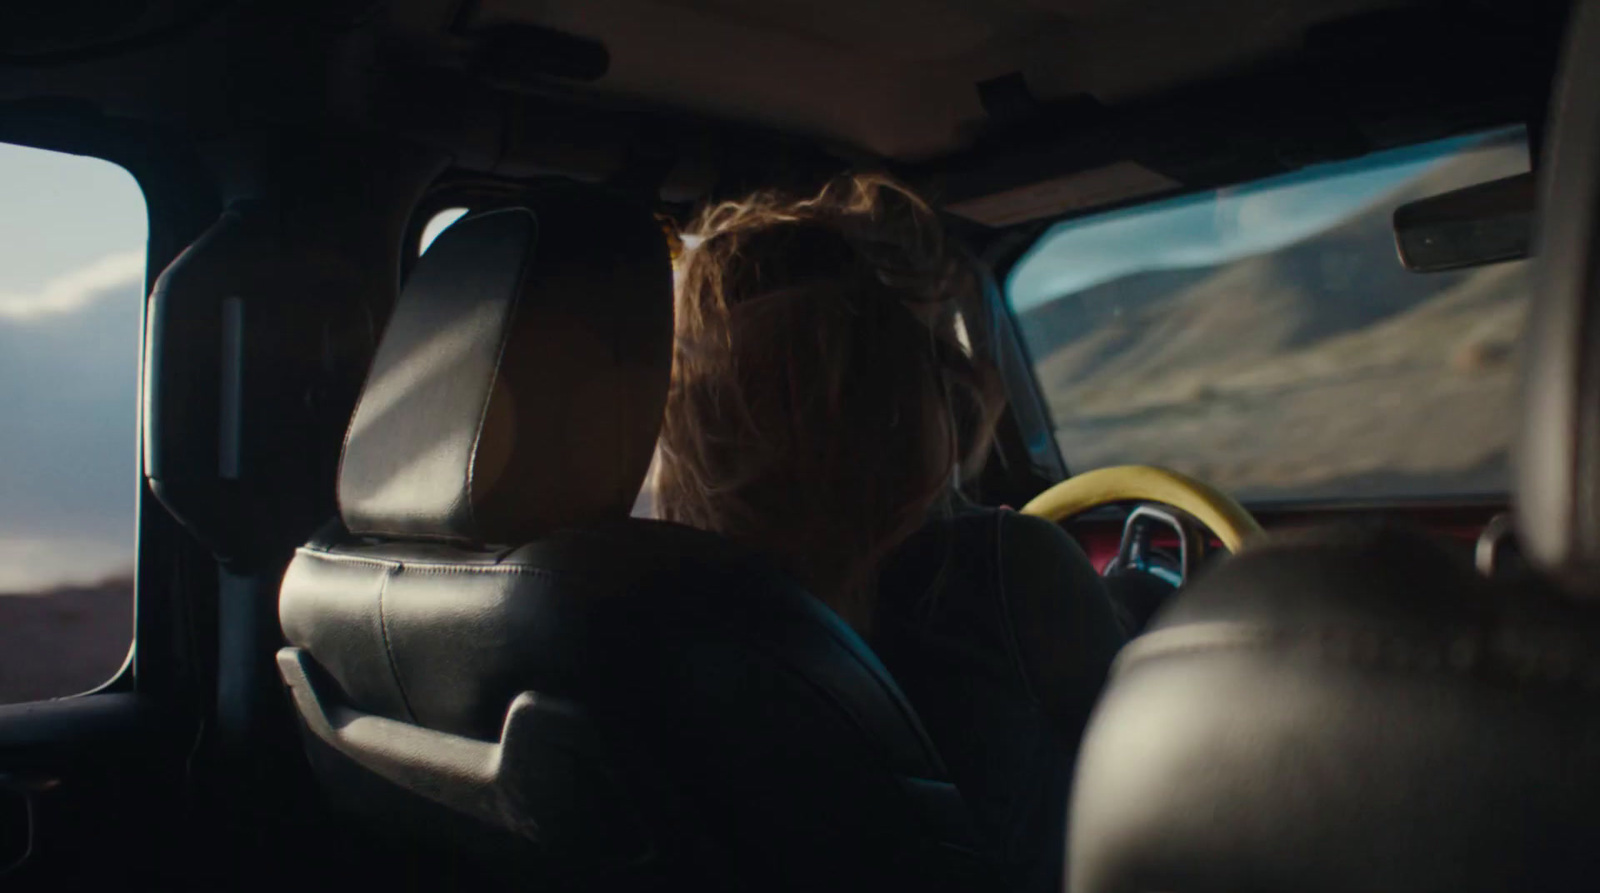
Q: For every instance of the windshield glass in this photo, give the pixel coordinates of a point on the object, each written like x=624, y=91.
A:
x=1265, y=337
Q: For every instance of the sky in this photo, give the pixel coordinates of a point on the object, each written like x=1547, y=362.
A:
x=72, y=246
x=1212, y=228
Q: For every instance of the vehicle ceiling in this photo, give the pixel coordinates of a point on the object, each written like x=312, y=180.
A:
x=897, y=78
x=970, y=98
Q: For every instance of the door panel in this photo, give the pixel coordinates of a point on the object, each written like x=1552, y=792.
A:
x=96, y=735
x=88, y=790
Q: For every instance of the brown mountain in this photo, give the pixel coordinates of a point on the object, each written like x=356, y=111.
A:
x=1322, y=368
x=63, y=641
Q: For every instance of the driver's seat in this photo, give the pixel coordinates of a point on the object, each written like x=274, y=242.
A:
x=489, y=655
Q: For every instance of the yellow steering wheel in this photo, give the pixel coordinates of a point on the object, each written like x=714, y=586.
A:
x=1210, y=507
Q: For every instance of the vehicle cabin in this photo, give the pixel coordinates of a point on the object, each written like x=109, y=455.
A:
x=337, y=530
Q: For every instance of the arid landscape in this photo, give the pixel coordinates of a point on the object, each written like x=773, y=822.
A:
x=1321, y=369
x=63, y=641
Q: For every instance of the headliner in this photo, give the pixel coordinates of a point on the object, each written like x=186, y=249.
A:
x=1103, y=101
x=897, y=78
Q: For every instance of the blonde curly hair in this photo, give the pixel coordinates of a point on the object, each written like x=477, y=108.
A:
x=821, y=397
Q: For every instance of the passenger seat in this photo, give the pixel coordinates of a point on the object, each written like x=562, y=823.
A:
x=489, y=655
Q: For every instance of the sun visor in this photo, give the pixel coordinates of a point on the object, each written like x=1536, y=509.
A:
x=1059, y=196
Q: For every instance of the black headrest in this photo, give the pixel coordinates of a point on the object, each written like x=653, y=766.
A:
x=520, y=383
x=1344, y=710
x=1558, y=452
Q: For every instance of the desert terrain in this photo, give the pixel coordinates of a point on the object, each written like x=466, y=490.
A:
x=1321, y=369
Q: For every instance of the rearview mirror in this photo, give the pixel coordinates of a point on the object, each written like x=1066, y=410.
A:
x=1483, y=224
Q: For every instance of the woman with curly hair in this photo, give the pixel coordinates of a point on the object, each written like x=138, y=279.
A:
x=825, y=410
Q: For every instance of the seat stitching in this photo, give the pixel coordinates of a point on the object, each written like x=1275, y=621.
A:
x=1460, y=655
x=431, y=567
x=388, y=647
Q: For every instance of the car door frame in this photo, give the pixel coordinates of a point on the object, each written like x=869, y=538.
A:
x=102, y=777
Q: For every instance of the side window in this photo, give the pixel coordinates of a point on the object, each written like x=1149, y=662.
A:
x=437, y=224
x=72, y=267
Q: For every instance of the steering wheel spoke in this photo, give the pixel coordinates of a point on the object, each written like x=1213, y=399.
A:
x=1138, y=533
x=1193, y=509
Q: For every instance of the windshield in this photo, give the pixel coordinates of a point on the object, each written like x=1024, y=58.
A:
x=1266, y=339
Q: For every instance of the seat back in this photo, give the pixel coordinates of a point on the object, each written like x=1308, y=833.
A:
x=487, y=651
x=1360, y=709
x=1345, y=710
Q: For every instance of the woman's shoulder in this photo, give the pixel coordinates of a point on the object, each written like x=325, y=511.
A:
x=980, y=551
x=1002, y=552
x=1008, y=529
x=1025, y=532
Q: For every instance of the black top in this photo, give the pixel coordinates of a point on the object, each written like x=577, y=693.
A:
x=1001, y=633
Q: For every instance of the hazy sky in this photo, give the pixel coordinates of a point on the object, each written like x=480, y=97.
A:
x=71, y=284
x=1211, y=228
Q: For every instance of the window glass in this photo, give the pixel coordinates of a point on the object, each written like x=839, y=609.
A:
x=72, y=265
x=1265, y=337
x=437, y=224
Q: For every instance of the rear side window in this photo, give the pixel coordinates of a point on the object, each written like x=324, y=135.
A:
x=437, y=224
x=72, y=267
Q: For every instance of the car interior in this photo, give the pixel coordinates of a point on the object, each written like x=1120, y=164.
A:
x=335, y=340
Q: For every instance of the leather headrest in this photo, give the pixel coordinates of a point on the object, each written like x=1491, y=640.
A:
x=521, y=379
x=1558, y=451
x=1345, y=709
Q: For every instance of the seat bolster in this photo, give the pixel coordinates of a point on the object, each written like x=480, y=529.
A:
x=429, y=634
x=331, y=605
x=1344, y=711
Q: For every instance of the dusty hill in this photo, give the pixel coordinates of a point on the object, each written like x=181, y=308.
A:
x=1322, y=368
x=63, y=641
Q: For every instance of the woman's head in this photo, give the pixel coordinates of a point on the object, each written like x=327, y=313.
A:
x=821, y=401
